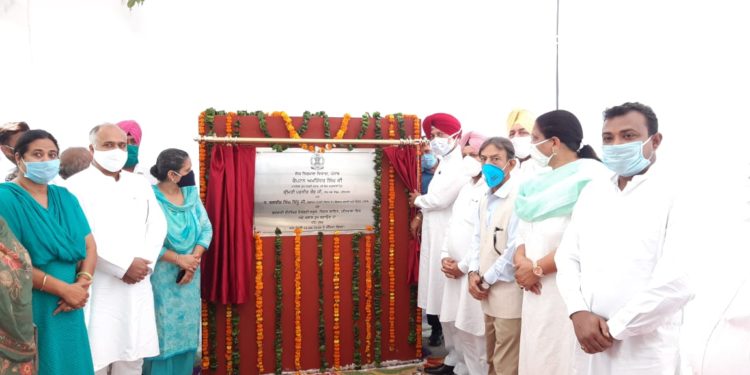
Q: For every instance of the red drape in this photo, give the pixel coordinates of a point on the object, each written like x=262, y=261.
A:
x=404, y=162
x=226, y=267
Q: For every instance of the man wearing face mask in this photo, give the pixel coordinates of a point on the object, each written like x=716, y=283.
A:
x=520, y=124
x=623, y=288
x=444, y=131
x=491, y=271
x=135, y=135
x=462, y=318
x=129, y=227
x=9, y=134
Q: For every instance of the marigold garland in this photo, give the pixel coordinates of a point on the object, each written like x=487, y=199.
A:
x=298, y=299
x=400, y=120
x=391, y=258
x=368, y=293
x=259, y=300
x=336, y=301
x=391, y=126
x=204, y=335
x=321, y=306
x=355, y=300
x=228, y=339
x=202, y=156
x=229, y=124
x=279, y=294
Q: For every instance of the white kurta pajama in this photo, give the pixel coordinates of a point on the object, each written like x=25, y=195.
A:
x=436, y=208
x=613, y=262
x=462, y=316
x=127, y=222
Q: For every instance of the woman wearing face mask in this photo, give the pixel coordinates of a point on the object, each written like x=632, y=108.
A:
x=176, y=277
x=544, y=205
x=50, y=224
x=444, y=131
x=463, y=316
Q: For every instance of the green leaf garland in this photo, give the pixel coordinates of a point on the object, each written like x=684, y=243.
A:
x=376, y=274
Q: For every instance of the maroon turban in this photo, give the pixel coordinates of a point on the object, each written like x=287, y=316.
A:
x=443, y=121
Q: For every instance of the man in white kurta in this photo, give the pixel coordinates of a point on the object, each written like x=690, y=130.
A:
x=436, y=206
x=129, y=228
x=462, y=319
x=623, y=288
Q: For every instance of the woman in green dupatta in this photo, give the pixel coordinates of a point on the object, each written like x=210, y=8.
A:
x=544, y=205
x=176, y=277
x=17, y=346
x=49, y=223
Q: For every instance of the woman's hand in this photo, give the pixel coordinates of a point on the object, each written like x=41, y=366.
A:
x=188, y=262
x=187, y=278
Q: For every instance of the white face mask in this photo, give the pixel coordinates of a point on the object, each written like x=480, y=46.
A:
x=111, y=160
x=471, y=167
x=442, y=146
x=522, y=145
x=538, y=156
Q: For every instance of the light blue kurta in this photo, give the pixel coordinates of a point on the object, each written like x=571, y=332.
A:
x=178, y=307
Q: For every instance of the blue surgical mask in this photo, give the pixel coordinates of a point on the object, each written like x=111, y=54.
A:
x=493, y=175
x=428, y=161
x=42, y=172
x=626, y=159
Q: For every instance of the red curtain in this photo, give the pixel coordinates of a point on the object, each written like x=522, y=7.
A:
x=226, y=267
x=404, y=162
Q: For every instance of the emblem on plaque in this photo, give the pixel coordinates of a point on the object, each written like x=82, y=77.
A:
x=317, y=162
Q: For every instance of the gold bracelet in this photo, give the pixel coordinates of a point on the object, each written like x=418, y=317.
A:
x=44, y=282
x=87, y=275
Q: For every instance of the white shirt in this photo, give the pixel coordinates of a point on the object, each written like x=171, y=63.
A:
x=127, y=222
x=613, y=262
x=502, y=269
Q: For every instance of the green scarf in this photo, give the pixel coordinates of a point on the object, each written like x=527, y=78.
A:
x=555, y=193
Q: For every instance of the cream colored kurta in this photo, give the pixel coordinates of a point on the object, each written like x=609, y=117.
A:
x=548, y=341
x=466, y=311
x=127, y=222
x=436, y=208
x=612, y=261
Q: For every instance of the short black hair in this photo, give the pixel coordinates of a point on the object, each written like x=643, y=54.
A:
x=502, y=144
x=10, y=129
x=30, y=136
x=621, y=110
x=171, y=159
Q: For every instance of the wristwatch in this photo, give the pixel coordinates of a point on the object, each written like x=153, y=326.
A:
x=537, y=269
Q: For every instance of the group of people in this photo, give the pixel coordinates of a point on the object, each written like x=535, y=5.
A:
x=100, y=267
x=539, y=256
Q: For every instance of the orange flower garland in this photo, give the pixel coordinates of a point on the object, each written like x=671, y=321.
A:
x=298, y=299
x=259, y=300
x=368, y=293
x=228, y=339
x=336, y=301
x=342, y=130
x=230, y=116
x=391, y=258
x=204, y=336
x=391, y=126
